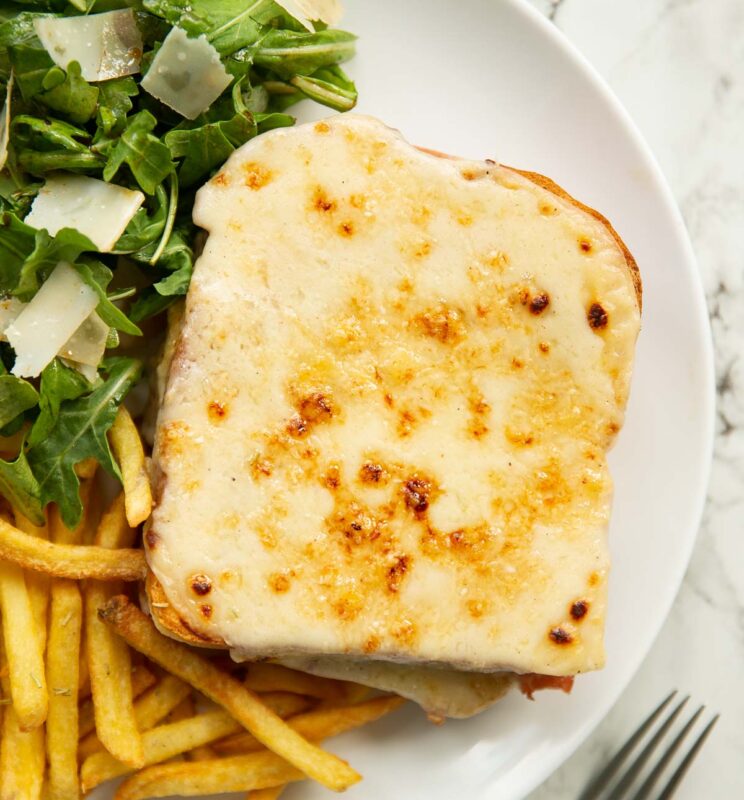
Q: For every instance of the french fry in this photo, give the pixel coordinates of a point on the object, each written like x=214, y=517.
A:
x=22, y=649
x=76, y=562
x=142, y=680
x=184, y=710
x=127, y=446
x=189, y=779
x=63, y=663
x=160, y=744
x=37, y=583
x=202, y=753
x=109, y=660
x=83, y=669
x=319, y=724
x=223, y=689
x=271, y=793
x=149, y=709
x=286, y=704
x=21, y=756
x=263, y=677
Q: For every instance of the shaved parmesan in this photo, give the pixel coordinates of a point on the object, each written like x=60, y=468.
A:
x=328, y=11
x=99, y=210
x=49, y=320
x=10, y=308
x=87, y=344
x=107, y=45
x=5, y=123
x=88, y=372
x=186, y=74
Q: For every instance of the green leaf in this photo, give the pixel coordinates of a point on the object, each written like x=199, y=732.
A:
x=30, y=65
x=267, y=122
x=149, y=303
x=66, y=245
x=58, y=383
x=44, y=134
x=16, y=245
x=74, y=97
x=288, y=53
x=20, y=487
x=98, y=276
x=145, y=228
x=147, y=157
x=114, y=103
x=38, y=163
x=329, y=86
x=16, y=396
x=19, y=29
x=207, y=146
x=80, y=433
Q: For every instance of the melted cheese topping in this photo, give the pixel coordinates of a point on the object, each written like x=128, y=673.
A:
x=386, y=420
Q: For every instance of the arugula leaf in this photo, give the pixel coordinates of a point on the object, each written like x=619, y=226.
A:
x=38, y=163
x=207, y=146
x=145, y=228
x=48, y=251
x=36, y=133
x=114, y=103
x=79, y=433
x=19, y=486
x=149, y=303
x=74, y=97
x=147, y=157
x=329, y=86
x=30, y=65
x=98, y=277
x=16, y=396
x=58, y=383
x=20, y=28
x=16, y=245
x=288, y=53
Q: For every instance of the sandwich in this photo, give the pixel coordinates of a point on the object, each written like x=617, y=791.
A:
x=380, y=451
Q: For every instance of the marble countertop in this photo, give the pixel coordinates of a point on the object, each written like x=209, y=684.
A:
x=678, y=66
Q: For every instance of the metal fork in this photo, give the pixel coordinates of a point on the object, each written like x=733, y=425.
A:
x=613, y=784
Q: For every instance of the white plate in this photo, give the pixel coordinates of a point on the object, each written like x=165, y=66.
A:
x=478, y=78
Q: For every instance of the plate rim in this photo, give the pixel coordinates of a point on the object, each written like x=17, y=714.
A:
x=687, y=541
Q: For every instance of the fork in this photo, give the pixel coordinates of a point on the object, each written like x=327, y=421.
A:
x=612, y=784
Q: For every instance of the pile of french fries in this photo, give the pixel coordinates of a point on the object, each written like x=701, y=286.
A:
x=91, y=691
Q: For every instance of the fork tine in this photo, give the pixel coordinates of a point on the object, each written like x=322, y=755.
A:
x=681, y=770
x=635, y=768
x=600, y=783
x=655, y=774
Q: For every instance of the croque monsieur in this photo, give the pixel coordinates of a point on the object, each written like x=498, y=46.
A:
x=381, y=450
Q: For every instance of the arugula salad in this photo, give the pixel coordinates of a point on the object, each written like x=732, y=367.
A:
x=115, y=111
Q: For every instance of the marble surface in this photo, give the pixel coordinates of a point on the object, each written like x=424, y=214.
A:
x=678, y=66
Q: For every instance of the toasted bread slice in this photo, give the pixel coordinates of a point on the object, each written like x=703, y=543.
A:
x=386, y=419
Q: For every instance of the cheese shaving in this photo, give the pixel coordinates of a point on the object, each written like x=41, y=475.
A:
x=328, y=11
x=106, y=46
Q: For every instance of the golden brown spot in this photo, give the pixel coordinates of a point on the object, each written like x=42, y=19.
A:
x=358, y=201
x=498, y=260
x=373, y=473
x=585, y=245
x=560, y=636
x=332, y=478
x=201, y=584
x=476, y=608
x=465, y=220
x=422, y=249
x=539, y=303
x=547, y=210
x=348, y=606
x=579, y=609
x=594, y=579
x=346, y=229
x=297, y=426
x=316, y=407
x=260, y=468
x=372, y=644
x=469, y=174
x=479, y=410
x=544, y=347
x=517, y=363
x=206, y=611
x=279, y=583
x=388, y=400
x=523, y=438
x=481, y=311
x=405, y=286
x=221, y=179
x=151, y=539
x=322, y=127
x=405, y=633
x=417, y=494
x=613, y=428
x=321, y=201
x=406, y=423
x=217, y=411
x=443, y=323
x=421, y=215
x=174, y=438
x=397, y=572
x=256, y=175
x=597, y=317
